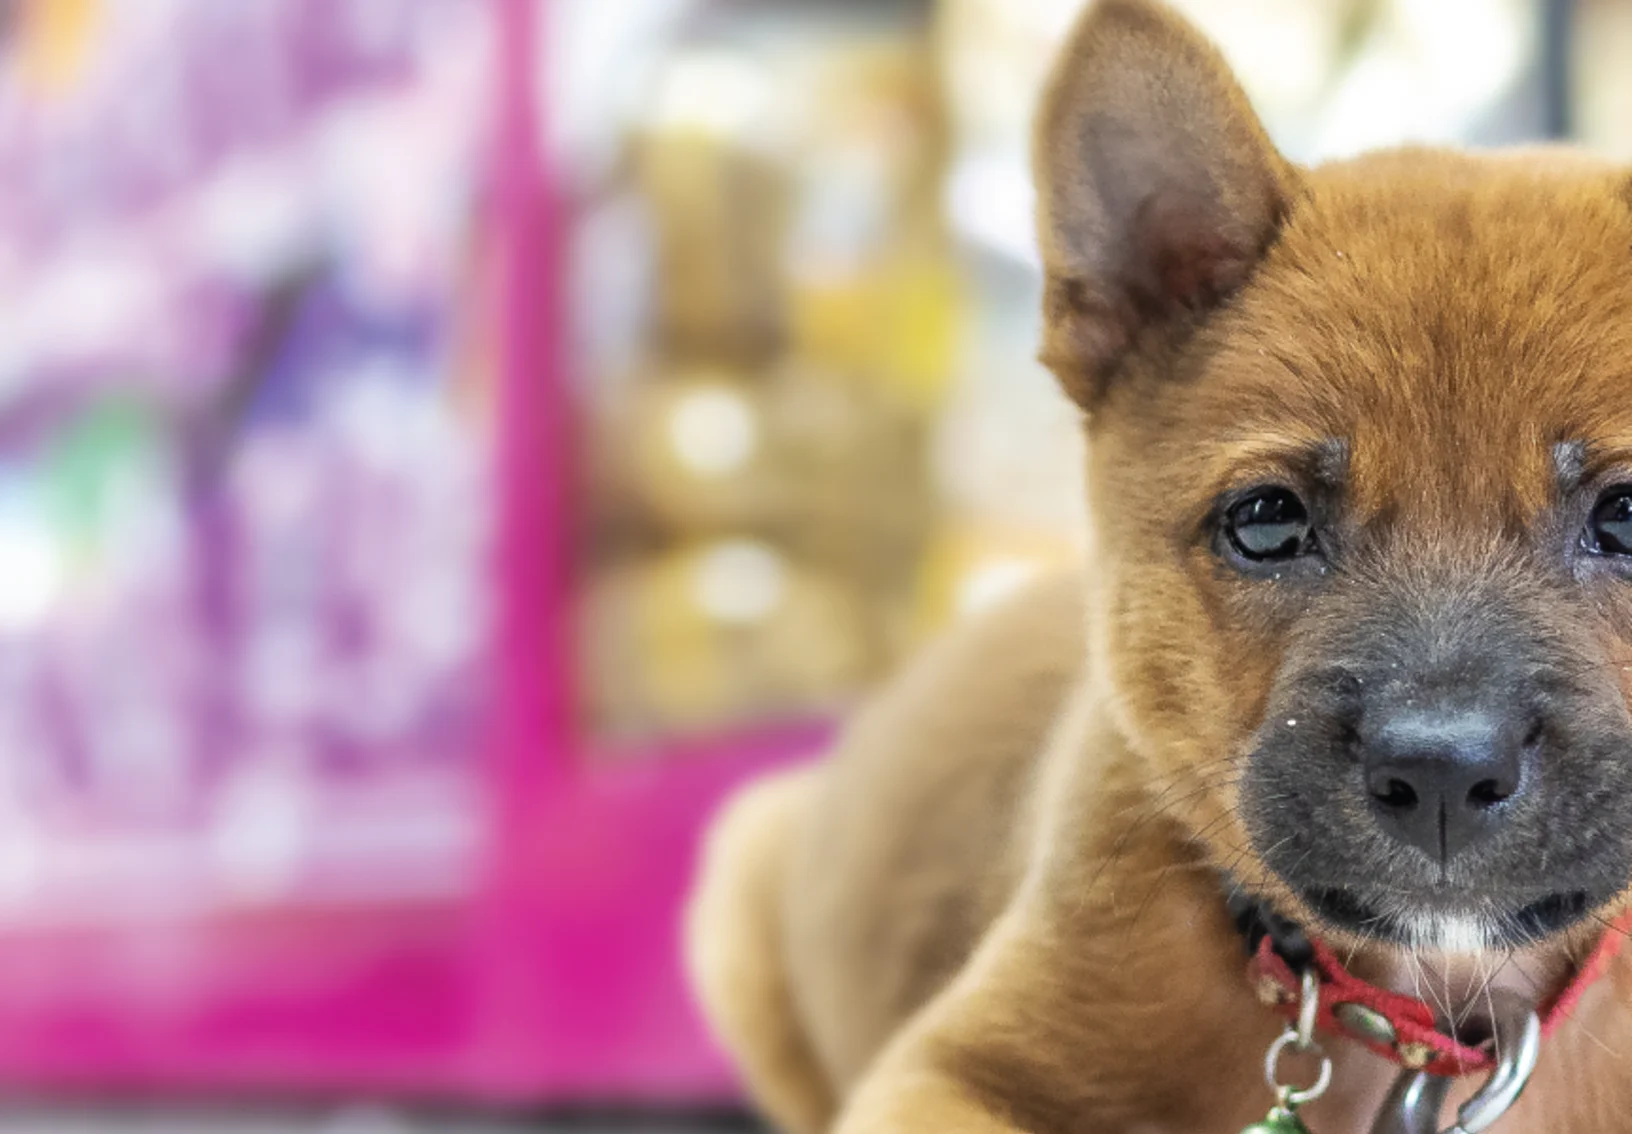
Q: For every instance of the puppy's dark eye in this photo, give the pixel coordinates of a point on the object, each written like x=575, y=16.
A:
x=1273, y=524
x=1610, y=530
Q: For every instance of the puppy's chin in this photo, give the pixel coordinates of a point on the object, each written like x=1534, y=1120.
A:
x=1446, y=928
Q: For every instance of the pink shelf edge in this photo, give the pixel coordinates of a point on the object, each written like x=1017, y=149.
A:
x=570, y=989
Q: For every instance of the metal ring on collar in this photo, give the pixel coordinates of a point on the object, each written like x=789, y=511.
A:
x=1289, y=1096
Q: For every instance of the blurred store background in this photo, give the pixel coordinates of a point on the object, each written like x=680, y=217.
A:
x=446, y=444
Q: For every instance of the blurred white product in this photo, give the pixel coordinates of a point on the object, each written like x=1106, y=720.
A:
x=261, y=827
x=253, y=219
x=31, y=569
x=713, y=430
x=740, y=581
x=1426, y=73
x=1602, y=89
x=991, y=582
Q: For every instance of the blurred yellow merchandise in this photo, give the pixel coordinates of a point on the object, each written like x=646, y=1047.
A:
x=698, y=450
x=53, y=37
x=797, y=475
x=825, y=464
x=896, y=319
x=730, y=629
x=804, y=320
x=873, y=286
x=717, y=210
x=858, y=493
x=969, y=565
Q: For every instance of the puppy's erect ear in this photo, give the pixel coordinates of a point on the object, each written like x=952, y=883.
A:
x=1158, y=188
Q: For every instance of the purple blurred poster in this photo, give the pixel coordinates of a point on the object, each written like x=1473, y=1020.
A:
x=245, y=505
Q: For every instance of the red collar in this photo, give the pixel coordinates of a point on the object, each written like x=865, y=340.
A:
x=1346, y=999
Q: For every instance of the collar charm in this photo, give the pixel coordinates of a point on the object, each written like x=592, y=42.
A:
x=1300, y=1037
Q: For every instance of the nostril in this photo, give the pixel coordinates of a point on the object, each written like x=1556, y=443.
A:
x=1396, y=793
x=1488, y=793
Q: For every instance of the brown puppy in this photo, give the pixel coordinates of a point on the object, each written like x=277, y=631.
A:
x=1357, y=639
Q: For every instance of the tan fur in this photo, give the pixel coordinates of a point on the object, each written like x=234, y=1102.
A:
x=996, y=907
x=736, y=958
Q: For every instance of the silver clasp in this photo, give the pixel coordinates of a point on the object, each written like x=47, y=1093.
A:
x=1414, y=1103
x=1302, y=1040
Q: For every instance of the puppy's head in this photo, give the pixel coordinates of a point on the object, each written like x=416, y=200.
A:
x=1360, y=475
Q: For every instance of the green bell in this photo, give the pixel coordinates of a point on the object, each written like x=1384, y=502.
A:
x=1280, y=1121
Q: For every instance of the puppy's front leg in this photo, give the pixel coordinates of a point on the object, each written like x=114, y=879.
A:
x=900, y=1100
x=1104, y=1017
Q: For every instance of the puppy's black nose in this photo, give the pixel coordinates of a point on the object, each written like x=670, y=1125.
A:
x=1440, y=777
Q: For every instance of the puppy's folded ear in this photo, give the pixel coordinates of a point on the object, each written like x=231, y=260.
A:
x=1158, y=188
